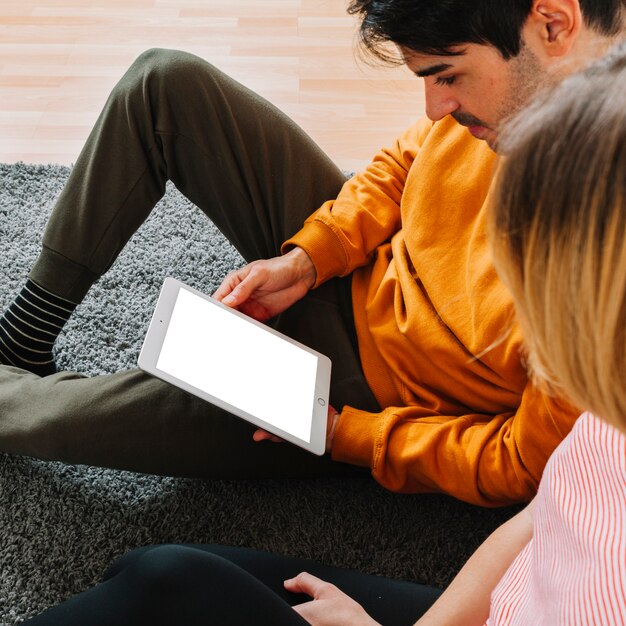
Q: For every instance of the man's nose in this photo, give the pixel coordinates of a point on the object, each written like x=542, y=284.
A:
x=438, y=102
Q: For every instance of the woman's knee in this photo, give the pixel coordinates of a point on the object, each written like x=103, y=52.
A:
x=164, y=569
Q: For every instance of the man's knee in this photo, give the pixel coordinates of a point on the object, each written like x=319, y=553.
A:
x=165, y=62
x=172, y=71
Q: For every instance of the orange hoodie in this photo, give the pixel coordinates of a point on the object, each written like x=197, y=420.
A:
x=438, y=344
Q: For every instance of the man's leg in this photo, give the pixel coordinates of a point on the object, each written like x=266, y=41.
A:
x=258, y=177
x=133, y=421
x=172, y=116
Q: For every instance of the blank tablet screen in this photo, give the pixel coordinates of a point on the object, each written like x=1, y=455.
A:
x=240, y=364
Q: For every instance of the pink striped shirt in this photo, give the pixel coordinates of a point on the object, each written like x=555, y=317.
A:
x=573, y=571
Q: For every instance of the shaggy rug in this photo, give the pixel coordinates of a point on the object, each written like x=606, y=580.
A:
x=61, y=525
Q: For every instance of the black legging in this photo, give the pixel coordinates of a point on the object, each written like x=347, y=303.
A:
x=209, y=584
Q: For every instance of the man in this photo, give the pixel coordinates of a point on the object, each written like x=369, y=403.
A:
x=391, y=277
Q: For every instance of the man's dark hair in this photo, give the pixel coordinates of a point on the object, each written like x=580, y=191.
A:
x=434, y=26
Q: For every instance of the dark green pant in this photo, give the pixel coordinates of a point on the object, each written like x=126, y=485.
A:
x=257, y=176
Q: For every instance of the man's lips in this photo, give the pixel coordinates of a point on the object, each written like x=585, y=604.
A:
x=477, y=131
x=474, y=125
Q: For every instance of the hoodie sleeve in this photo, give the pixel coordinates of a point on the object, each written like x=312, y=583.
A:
x=343, y=233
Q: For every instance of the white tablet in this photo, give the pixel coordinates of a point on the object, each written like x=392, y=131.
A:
x=238, y=364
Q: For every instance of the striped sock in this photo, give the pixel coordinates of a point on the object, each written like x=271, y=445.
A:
x=29, y=328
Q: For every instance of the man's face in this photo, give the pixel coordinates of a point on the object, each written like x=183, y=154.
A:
x=478, y=88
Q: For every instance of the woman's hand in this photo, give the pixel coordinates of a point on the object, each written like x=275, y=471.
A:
x=329, y=606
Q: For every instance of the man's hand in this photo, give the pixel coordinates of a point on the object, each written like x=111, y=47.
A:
x=263, y=289
x=330, y=606
x=333, y=417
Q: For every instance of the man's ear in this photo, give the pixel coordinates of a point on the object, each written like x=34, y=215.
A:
x=554, y=25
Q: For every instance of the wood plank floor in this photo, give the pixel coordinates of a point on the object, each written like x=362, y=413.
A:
x=60, y=58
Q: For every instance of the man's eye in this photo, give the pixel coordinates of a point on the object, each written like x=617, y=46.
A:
x=445, y=80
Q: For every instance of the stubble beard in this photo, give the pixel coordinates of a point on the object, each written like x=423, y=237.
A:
x=527, y=79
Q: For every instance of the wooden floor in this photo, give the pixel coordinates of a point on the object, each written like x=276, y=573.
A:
x=60, y=58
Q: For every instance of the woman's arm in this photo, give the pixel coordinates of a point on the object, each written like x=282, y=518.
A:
x=466, y=601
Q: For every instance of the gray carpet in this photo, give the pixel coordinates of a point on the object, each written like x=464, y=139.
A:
x=62, y=525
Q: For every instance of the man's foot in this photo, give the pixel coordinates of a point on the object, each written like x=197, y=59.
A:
x=30, y=327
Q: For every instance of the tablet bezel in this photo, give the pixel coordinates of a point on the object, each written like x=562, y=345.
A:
x=153, y=343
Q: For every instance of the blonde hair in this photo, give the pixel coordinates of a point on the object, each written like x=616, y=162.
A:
x=558, y=232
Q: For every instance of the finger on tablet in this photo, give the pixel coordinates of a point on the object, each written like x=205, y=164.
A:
x=230, y=283
x=263, y=435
